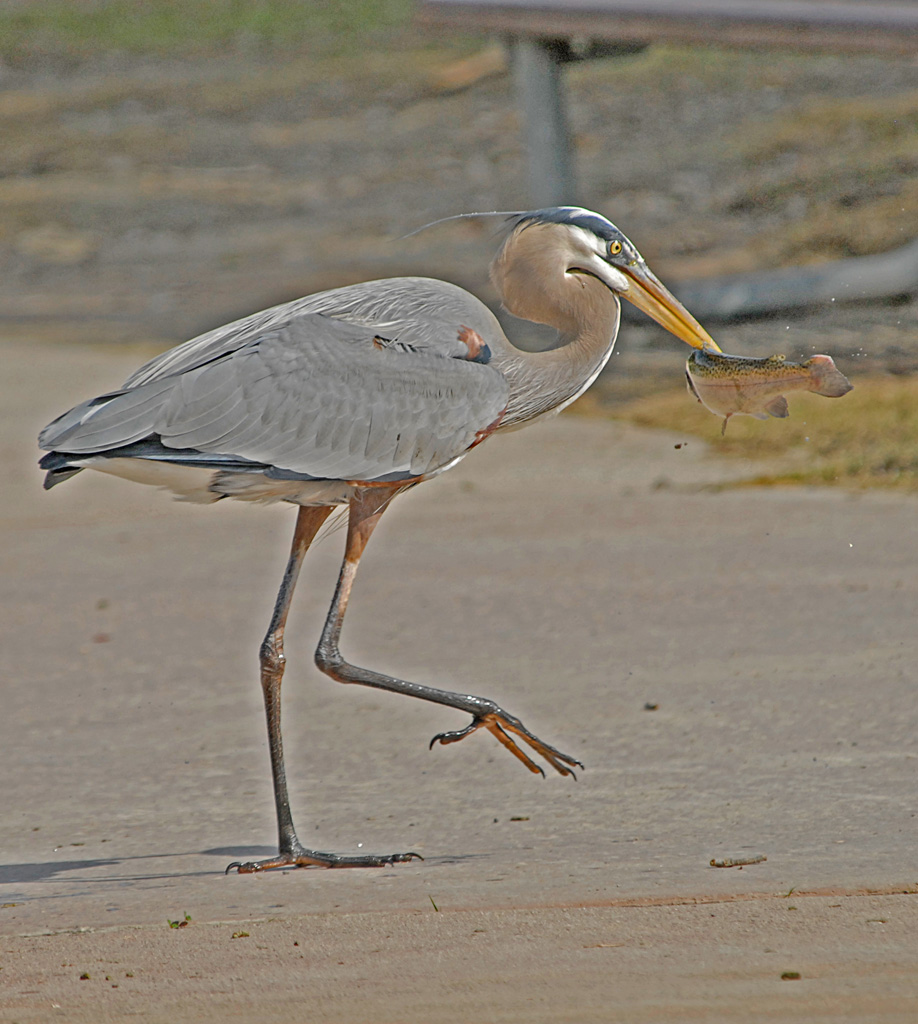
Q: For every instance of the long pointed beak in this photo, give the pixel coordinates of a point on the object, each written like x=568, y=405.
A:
x=652, y=298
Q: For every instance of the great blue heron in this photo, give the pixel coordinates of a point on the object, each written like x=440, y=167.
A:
x=353, y=395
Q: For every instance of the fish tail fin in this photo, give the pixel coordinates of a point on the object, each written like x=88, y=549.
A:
x=826, y=379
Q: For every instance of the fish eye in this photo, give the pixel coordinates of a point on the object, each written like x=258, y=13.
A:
x=615, y=247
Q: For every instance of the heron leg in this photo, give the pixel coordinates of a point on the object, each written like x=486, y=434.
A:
x=291, y=852
x=366, y=507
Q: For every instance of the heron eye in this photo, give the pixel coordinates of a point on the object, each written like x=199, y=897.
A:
x=615, y=248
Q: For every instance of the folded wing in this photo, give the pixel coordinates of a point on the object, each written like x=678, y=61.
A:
x=310, y=395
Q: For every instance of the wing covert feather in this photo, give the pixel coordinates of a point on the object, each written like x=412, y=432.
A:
x=422, y=313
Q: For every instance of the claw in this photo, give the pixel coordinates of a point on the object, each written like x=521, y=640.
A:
x=500, y=725
x=454, y=735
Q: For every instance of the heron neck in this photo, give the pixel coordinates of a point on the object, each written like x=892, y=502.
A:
x=586, y=314
x=547, y=382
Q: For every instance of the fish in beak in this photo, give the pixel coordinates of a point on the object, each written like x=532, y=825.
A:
x=742, y=385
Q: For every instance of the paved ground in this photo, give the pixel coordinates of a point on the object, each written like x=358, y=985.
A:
x=576, y=573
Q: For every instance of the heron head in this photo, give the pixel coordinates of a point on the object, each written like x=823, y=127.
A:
x=586, y=243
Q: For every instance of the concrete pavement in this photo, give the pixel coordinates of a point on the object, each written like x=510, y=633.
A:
x=577, y=573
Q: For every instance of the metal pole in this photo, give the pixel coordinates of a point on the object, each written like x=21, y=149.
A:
x=537, y=74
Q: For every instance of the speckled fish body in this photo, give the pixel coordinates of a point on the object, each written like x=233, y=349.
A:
x=739, y=385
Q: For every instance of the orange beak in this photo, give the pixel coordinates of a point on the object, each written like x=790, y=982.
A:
x=651, y=297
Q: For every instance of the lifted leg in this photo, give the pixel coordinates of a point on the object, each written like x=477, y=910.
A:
x=291, y=853
x=366, y=508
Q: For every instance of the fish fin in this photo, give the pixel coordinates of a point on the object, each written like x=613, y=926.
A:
x=777, y=407
x=826, y=379
x=723, y=428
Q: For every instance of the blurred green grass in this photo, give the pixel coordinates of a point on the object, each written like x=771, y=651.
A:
x=187, y=27
x=868, y=439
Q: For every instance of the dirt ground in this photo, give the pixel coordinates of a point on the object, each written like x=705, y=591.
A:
x=735, y=667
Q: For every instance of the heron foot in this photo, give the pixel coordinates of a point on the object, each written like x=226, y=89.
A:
x=501, y=724
x=302, y=858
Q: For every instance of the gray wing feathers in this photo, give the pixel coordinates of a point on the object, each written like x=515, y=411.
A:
x=313, y=397
x=421, y=312
x=106, y=422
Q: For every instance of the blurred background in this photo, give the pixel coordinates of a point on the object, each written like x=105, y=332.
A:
x=169, y=165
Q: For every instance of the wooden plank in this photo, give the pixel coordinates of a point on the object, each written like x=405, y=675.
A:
x=862, y=26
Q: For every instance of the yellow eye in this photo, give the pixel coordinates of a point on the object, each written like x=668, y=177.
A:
x=615, y=248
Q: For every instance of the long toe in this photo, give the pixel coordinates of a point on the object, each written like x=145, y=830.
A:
x=503, y=727
x=313, y=858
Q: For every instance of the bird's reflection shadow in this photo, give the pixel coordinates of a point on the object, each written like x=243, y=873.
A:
x=21, y=874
